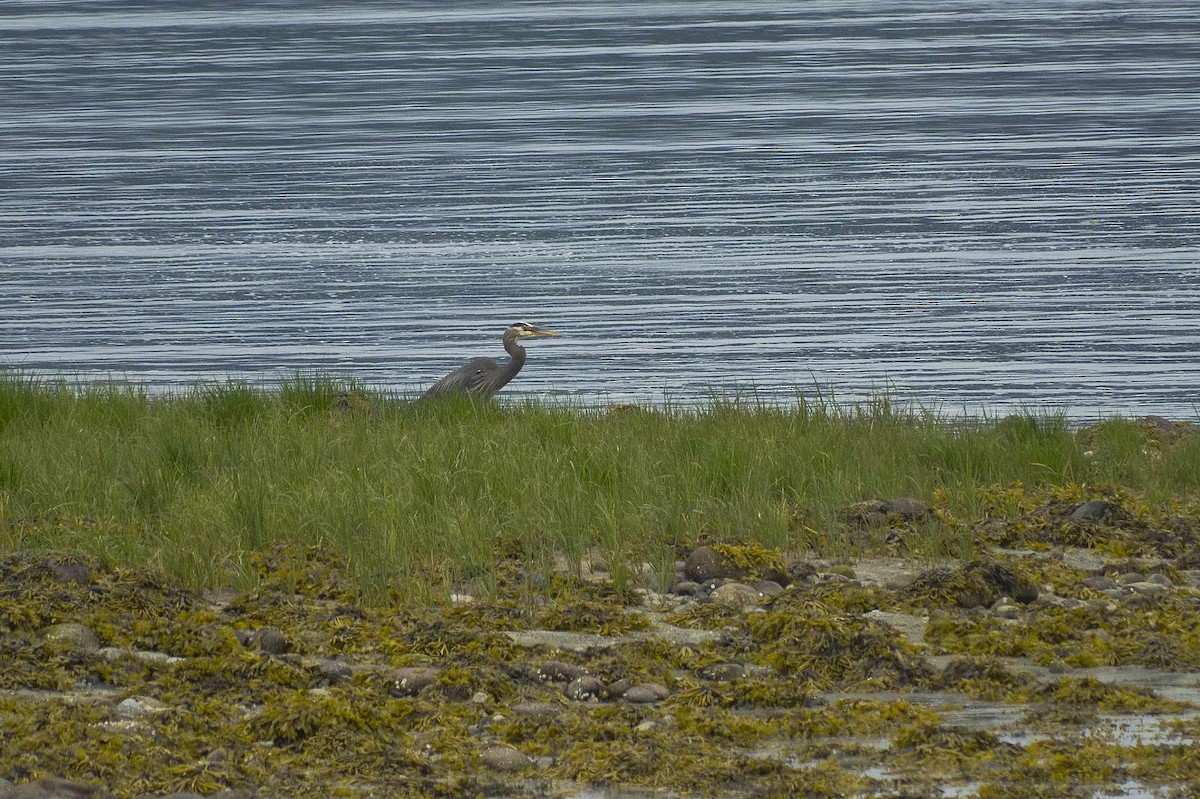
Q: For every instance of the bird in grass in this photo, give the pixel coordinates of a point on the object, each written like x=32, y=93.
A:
x=483, y=377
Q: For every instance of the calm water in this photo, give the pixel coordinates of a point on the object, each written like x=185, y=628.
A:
x=980, y=204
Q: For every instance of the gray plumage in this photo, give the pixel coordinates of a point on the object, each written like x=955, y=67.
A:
x=483, y=377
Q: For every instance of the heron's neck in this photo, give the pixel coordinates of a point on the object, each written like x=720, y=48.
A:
x=517, y=353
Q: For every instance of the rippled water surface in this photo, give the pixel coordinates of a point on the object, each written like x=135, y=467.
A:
x=980, y=204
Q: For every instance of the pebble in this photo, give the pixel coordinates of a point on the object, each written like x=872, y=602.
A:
x=411, y=680
x=584, y=689
x=505, y=758
x=481, y=698
x=646, y=726
x=738, y=595
x=77, y=636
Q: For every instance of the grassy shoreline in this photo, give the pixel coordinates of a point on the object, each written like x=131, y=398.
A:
x=432, y=496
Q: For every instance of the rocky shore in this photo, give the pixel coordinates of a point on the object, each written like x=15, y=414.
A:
x=1058, y=656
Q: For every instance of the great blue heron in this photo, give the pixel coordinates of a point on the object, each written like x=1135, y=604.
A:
x=483, y=377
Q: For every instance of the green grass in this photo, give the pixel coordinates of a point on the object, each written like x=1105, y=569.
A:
x=433, y=494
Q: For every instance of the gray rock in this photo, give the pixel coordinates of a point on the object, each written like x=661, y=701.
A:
x=1161, y=579
x=641, y=695
x=505, y=758
x=77, y=636
x=136, y=707
x=1100, y=583
x=584, y=689
x=1005, y=610
x=1152, y=590
x=411, y=680
x=268, y=640
x=536, y=709
x=333, y=671
x=1131, y=577
x=738, y=595
x=686, y=588
x=705, y=563
x=71, y=571
x=907, y=508
x=619, y=687
x=768, y=587
x=723, y=672
x=1092, y=512
x=54, y=788
x=802, y=572
x=869, y=513
x=558, y=671
x=660, y=690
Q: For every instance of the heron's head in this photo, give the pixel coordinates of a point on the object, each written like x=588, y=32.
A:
x=521, y=330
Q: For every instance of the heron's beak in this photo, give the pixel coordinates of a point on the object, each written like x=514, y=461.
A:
x=543, y=332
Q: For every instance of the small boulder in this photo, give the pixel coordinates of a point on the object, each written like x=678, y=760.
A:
x=54, y=788
x=907, y=509
x=536, y=709
x=333, y=671
x=558, y=671
x=706, y=563
x=71, y=571
x=268, y=640
x=136, y=707
x=505, y=758
x=1094, y=511
x=585, y=689
x=619, y=687
x=641, y=695
x=686, y=588
x=724, y=672
x=768, y=587
x=869, y=513
x=77, y=636
x=1148, y=589
x=412, y=680
x=738, y=595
